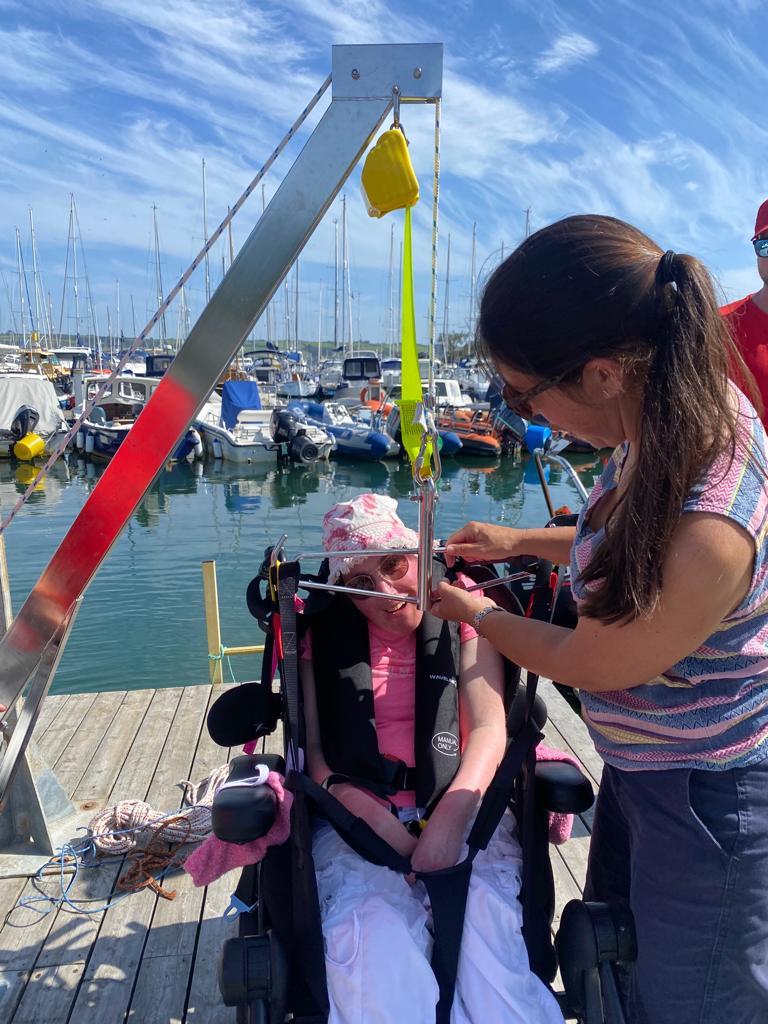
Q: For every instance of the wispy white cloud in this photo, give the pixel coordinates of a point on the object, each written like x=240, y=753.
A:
x=566, y=51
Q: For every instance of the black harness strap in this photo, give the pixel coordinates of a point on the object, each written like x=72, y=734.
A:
x=448, y=890
x=287, y=585
x=353, y=830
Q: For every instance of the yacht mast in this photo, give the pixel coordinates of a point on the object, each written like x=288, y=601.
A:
x=205, y=239
x=472, y=284
x=159, y=276
x=391, y=293
x=446, y=307
x=41, y=313
x=335, y=283
x=347, y=349
x=118, y=332
x=20, y=270
x=296, y=306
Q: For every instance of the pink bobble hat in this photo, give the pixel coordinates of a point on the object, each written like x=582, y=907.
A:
x=367, y=521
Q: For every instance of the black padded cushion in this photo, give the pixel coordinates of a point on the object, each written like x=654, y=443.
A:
x=244, y=813
x=562, y=787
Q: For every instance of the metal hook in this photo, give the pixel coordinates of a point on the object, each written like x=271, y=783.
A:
x=396, y=106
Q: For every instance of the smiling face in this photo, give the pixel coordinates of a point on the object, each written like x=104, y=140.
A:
x=393, y=615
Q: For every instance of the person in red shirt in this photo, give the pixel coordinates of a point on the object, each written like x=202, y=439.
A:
x=748, y=317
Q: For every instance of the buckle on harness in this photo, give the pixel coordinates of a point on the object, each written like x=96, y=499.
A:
x=397, y=774
x=237, y=907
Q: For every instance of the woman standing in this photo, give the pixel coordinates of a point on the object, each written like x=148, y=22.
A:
x=592, y=326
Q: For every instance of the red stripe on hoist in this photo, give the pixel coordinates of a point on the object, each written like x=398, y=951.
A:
x=120, y=488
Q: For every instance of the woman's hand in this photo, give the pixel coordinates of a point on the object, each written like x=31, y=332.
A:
x=453, y=603
x=483, y=542
x=439, y=846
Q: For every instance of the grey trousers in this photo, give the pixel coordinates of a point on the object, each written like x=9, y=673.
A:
x=688, y=851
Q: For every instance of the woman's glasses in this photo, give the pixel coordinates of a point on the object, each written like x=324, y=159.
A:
x=761, y=247
x=520, y=401
x=391, y=568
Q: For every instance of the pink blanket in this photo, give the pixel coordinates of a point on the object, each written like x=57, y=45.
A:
x=214, y=857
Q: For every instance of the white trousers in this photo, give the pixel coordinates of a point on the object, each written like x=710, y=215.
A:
x=378, y=943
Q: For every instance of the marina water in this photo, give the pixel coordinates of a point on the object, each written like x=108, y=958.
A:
x=142, y=622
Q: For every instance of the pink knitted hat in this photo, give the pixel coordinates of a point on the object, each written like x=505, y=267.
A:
x=368, y=521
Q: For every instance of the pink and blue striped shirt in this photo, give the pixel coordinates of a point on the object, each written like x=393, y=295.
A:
x=709, y=710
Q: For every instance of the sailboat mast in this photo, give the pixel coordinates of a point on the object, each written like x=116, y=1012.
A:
x=527, y=222
x=41, y=316
x=70, y=240
x=205, y=240
x=20, y=270
x=391, y=293
x=117, y=328
x=296, y=306
x=158, y=275
x=133, y=318
x=347, y=350
x=446, y=305
x=472, y=284
x=231, y=243
x=335, y=284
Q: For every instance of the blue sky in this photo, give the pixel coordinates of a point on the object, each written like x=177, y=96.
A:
x=653, y=112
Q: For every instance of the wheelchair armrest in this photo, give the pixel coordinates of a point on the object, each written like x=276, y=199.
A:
x=244, y=812
x=562, y=787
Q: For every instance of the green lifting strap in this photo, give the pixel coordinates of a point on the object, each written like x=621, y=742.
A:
x=411, y=400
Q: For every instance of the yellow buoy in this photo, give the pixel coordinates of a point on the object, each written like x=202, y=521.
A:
x=29, y=447
x=388, y=179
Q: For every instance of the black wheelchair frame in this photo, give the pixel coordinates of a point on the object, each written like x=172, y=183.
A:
x=274, y=969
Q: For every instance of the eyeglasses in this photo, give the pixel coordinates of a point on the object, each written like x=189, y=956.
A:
x=520, y=401
x=761, y=247
x=391, y=568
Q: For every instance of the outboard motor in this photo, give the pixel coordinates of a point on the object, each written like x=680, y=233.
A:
x=24, y=422
x=287, y=429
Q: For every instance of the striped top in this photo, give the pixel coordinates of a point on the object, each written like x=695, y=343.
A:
x=710, y=710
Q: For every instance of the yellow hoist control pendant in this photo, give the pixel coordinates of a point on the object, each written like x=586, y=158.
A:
x=388, y=179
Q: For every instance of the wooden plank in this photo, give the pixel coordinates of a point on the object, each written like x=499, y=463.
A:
x=73, y=762
x=175, y=923
x=204, y=1003
x=48, y=995
x=105, y=994
x=71, y=937
x=67, y=724
x=52, y=707
x=11, y=988
x=572, y=729
x=95, y=786
x=160, y=990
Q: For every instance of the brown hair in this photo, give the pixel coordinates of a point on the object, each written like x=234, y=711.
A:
x=588, y=287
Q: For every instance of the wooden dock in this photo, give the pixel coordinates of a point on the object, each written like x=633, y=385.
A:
x=147, y=959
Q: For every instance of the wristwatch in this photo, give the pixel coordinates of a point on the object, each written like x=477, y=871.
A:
x=479, y=616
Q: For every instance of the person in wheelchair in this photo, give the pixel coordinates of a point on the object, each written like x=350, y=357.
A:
x=436, y=695
x=596, y=329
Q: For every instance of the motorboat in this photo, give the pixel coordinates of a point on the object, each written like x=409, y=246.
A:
x=31, y=419
x=354, y=438
x=236, y=428
x=357, y=374
x=111, y=418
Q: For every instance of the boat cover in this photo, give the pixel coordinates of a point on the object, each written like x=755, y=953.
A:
x=35, y=391
x=236, y=396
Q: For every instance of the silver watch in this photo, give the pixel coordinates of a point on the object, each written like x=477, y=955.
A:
x=479, y=616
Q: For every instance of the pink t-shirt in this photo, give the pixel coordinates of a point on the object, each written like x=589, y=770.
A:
x=393, y=680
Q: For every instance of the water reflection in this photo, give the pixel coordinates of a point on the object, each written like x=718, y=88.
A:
x=150, y=584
